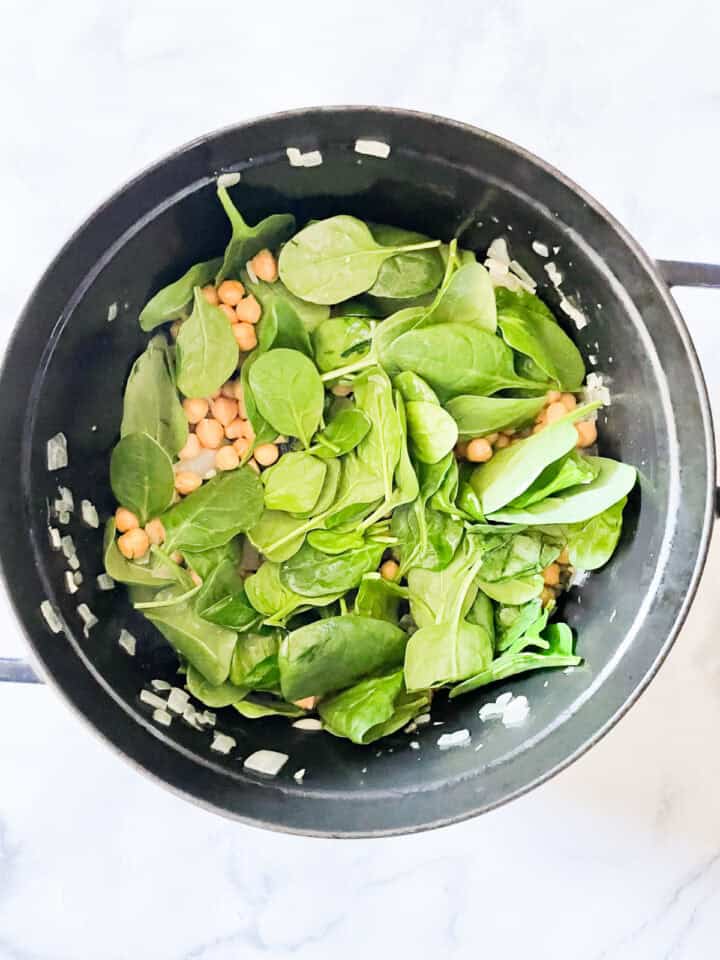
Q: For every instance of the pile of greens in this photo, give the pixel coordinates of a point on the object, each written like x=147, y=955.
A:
x=379, y=350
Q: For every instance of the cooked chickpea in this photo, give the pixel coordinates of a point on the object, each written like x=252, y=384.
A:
x=552, y=396
x=134, y=544
x=224, y=410
x=196, y=578
x=491, y=438
x=228, y=311
x=264, y=266
x=235, y=429
x=195, y=408
x=389, y=570
x=547, y=597
x=211, y=294
x=307, y=703
x=568, y=401
x=231, y=292
x=175, y=329
x=479, y=450
x=245, y=335
x=266, y=454
x=125, y=520
x=191, y=449
x=240, y=397
x=502, y=442
x=241, y=446
x=155, y=531
x=186, y=482
x=587, y=433
x=551, y=575
x=341, y=390
x=248, y=310
x=556, y=411
x=564, y=558
x=210, y=433
x=227, y=458
x=253, y=464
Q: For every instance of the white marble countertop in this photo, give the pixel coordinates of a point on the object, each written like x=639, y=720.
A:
x=619, y=856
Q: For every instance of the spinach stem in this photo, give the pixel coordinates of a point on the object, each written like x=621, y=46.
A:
x=350, y=368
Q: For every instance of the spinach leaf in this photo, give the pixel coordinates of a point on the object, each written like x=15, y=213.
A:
x=426, y=537
x=371, y=709
x=278, y=535
x=327, y=493
x=203, y=562
x=614, y=481
x=479, y=416
x=513, y=622
x=557, y=641
x=141, y=476
x=207, y=353
x=335, y=259
x=514, y=592
x=256, y=709
x=482, y=613
x=413, y=387
x=592, y=542
x=264, y=432
x=174, y=300
x=213, y=695
x=288, y=392
x=518, y=555
x=222, y=599
x=406, y=274
x=455, y=359
x=269, y=595
x=570, y=471
x=521, y=302
x=333, y=653
x=216, y=512
x=432, y=431
x=311, y=315
x=468, y=298
x=312, y=573
x=152, y=574
x=151, y=404
x=255, y=661
x=206, y=646
x=334, y=542
x=282, y=328
x=544, y=341
x=342, y=434
x=339, y=338
x=294, y=483
x=379, y=598
x=245, y=241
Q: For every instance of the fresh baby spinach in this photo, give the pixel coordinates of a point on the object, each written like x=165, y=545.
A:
x=338, y=340
x=222, y=599
x=245, y=241
x=371, y=709
x=342, y=434
x=288, y=392
x=480, y=416
x=141, y=476
x=207, y=353
x=213, y=695
x=312, y=573
x=432, y=431
x=294, y=483
x=151, y=404
x=406, y=274
x=174, y=301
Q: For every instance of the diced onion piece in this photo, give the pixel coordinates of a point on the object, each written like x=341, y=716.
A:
x=222, y=743
x=68, y=547
x=308, y=723
x=73, y=561
x=162, y=717
x=50, y=616
x=66, y=500
x=575, y=313
x=89, y=514
x=498, y=250
x=64, y=516
x=57, y=452
x=460, y=738
x=296, y=158
x=519, y=270
x=504, y=699
x=250, y=272
x=373, y=148
x=160, y=685
x=540, y=249
x=414, y=744
x=516, y=712
x=112, y=312
x=422, y=719
x=200, y=464
x=55, y=538
x=105, y=582
x=77, y=577
x=228, y=179
x=88, y=618
x=299, y=775
x=128, y=642
x=190, y=716
x=208, y=717
x=552, y=271
x=269, y=762
x=152, y=699
x=178, y=700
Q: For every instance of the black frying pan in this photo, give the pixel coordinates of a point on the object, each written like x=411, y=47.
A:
x=66, y=366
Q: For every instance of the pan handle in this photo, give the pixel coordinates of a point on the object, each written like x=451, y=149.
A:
x=17, y=671
x=679, y=273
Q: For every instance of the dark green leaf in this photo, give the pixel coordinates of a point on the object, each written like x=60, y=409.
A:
x=255, y=661
x=213, y=695
x=570, y=471
x=294, y=483
x=175, y=300
x=343, y=433
x=246, y=241
x=371, y=709
x=379, y=598
x=479, y=416
x=153, y=574
x=151, y=404
x=207, y=353
x=288, y=392
x=141, y=476
x=407, y=274
x=222, y=599
x=339, y=338
x=311, y=573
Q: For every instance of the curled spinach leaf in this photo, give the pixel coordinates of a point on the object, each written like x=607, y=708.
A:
x=276, y=294
x=570, y=471
x=338, y=340
x=255, y=661
x=343, y=433
x=479, y=416
x=213, y=695
x=468, y=297
x=269, y=595
x=222, y=599
x=379, y=598
x=413, y=387
x=207, y=353
x=155, y=573
x=592, y=542
x=151, y=404
x=371, y=709
x=174, y=300
x=312, y=573
x=432, y=431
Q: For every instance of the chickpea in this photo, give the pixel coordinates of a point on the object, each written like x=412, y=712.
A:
x=134, y=544
x=241, y=446
x=175, y=329
x=228, y=390
x=248, y=310
x=191, y=449
x=240, y=397
x=231, y=292
x=155, y=531
x=551, y=575
x=195, y=408
x=556, y=411
x=307, y=703
x=247, y=431
x=568, y=401
x=266, y=454
x=253, y=464
x=235, y=429
x=125, y=520
x=227, y=458
x=196, y=578
x=245, y=335
x=341, y=390
x=264, y=266
x=547, y=597
x=564, y=558
x=509, y=431
x=587, y=433
x=186, y=482
x=491, y=438
x=502, y=442
x=211, y=294
x=228, y=311
x=479, y=450
x=389, y=570
x=552, y=396
x=224, y=410
x=210, y=433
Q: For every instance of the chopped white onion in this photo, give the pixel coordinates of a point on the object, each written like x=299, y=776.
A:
x=308, y=723
x=250, y=272
x=160, y=685
x=152, y=699
x=422, y=719
x=162, y=717
x=460, y=738
x=178, y=700
x=296, y=158
x=228, y=179
x=50, y=616
x=55, y=539
x=105, y=582
x=552, y=271
x=73, y=561
x=519, y=270
x=498, y=250
x=504, y=699
x=373, y=148
x=540, y=248
x=208, y=717
x=68, y=547
x=57, y=452
x=128, y=642
x=89, y=514
x=66, y=500
x=269, y=762
x=77, y=577
x=516, y=712
x=596, y=389
x=299, y=775
x=200, y=464
x=575, y=313
x=222, y=743
x=64, y=516
x=88, y=618
x=414, y=745
x=190, y=716
x=112, y=312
